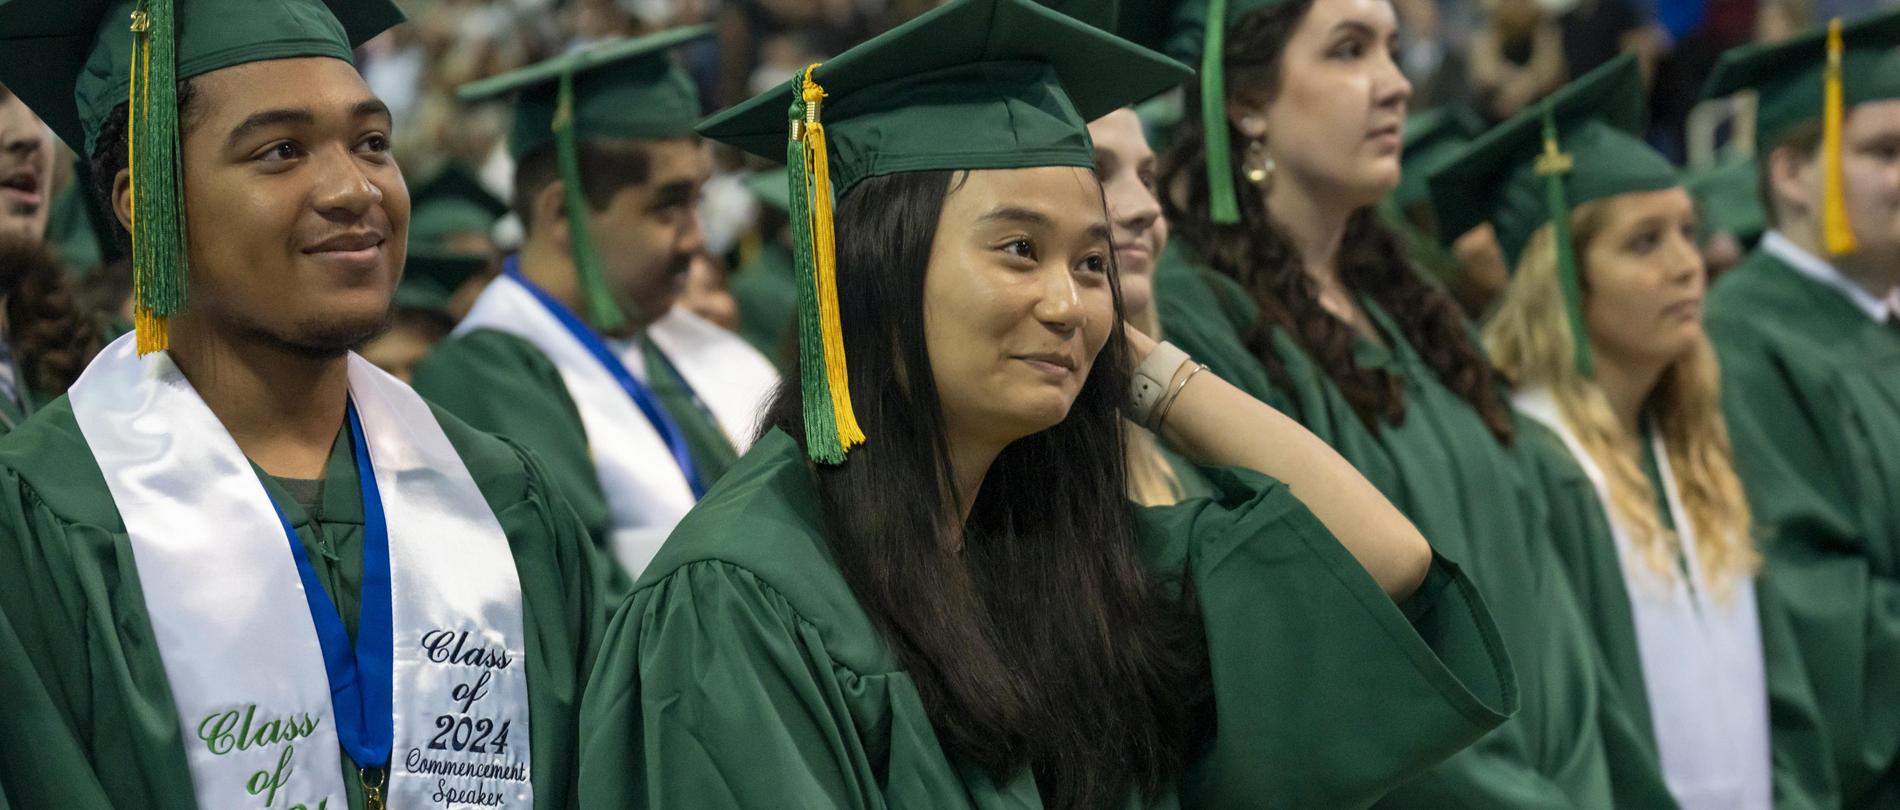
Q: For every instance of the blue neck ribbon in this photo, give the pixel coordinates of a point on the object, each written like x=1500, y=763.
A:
x=361, y=678
x=642, y=395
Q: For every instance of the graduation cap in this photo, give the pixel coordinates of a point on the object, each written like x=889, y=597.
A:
x=625, y=89
x=1821, y=74
x=770, y=188
x=1200, y=32
x=1729, y=200
x=450, y=203
x=1578, y=145
x=974, y=84
x=74, y=61
x=1431, y=138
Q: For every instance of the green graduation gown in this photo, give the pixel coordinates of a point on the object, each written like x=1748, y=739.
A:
x=1803, y=775
x=1479, y=503
x=88, y=718
x=1811, y=388
x=502, y=384
x=742, y=672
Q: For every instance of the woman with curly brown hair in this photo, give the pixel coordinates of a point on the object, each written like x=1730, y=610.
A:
x=45, y=336
x=1284, y=280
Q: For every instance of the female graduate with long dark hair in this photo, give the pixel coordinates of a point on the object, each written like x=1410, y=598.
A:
x=1284, y=280
x=925, y=585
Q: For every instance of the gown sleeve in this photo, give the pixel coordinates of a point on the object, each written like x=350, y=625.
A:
x=713, y=693
x=1326, y=693
x=42, y=763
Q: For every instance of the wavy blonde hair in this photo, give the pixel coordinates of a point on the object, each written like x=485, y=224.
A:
x=1151, y=479
x=1530, y=341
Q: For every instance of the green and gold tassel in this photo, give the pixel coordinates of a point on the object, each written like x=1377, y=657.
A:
x=1553, y=165
x=152, y=159
x=602, y=311
x=831, y=426
x=1836, y=232
x=1224, y=205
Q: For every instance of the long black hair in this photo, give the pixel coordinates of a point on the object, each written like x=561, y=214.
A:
x=1046, y=643
x=1372, y=260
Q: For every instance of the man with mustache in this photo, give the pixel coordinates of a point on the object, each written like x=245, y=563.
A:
x=233, y=557
x=577, y=349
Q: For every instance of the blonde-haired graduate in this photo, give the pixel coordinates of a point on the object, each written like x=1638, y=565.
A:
x=1601, y=332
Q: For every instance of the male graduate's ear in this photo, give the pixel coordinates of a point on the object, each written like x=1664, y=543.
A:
x=122, y=198
x=550, y=215
x=1793, y=176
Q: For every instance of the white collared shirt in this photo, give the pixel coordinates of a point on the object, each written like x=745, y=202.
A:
x=1824, y=272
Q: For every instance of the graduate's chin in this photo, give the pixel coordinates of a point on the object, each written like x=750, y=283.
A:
x=324, y=339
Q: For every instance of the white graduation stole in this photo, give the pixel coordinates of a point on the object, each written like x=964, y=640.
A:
x=646, y=492
x=1702, y=658
x=228, y=610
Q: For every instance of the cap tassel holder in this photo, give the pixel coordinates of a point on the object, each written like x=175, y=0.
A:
x=1836, y=232
x=1224, y=205
x=831, y=427
x=152, y=159
x=602, y=310
x=1553, y=165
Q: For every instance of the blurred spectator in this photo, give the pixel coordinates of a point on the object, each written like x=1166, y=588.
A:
x=1517, y=59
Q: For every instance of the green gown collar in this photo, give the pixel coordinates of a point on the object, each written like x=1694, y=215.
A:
x=342, y=499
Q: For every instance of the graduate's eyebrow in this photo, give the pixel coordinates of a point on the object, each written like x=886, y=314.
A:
x=1098, y=232
x=674, y=193
x=301, y=116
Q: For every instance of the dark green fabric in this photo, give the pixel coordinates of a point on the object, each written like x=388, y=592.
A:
x=974, y=84
x=742, y=673
x=502, y=384
x=89, y=700
x=1728, y=199
x=1811, y=389
x=1789, y=76
x=1495, y=179
x=766, y=290
x=1187, y=35
x=70, y=60
x=1480, y=503
x=1803, y=773
x=629, y=89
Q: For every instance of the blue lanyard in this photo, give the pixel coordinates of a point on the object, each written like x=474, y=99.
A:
x=361, y=679
x=643, y=396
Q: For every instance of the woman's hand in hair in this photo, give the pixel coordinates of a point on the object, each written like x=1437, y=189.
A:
x=1211, y=422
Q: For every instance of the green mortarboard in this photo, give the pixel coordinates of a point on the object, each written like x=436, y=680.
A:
x=1821, y=74
x=1431, y=138
x=769, y=186
x=626, y=89
x=72, y=61
x=974, y=84
x=451, y=202
x=429, y=280
x=1789, y=77
x=1192, y=39
x=1578, y=145
x=1729, y=199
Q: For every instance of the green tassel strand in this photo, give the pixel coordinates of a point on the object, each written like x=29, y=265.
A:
x=1554, y=165
x=821, y=427
x=597, y=297
x=159, y=254
x=1224, y=204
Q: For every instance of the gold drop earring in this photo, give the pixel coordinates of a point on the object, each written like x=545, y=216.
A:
x=1258, y=165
